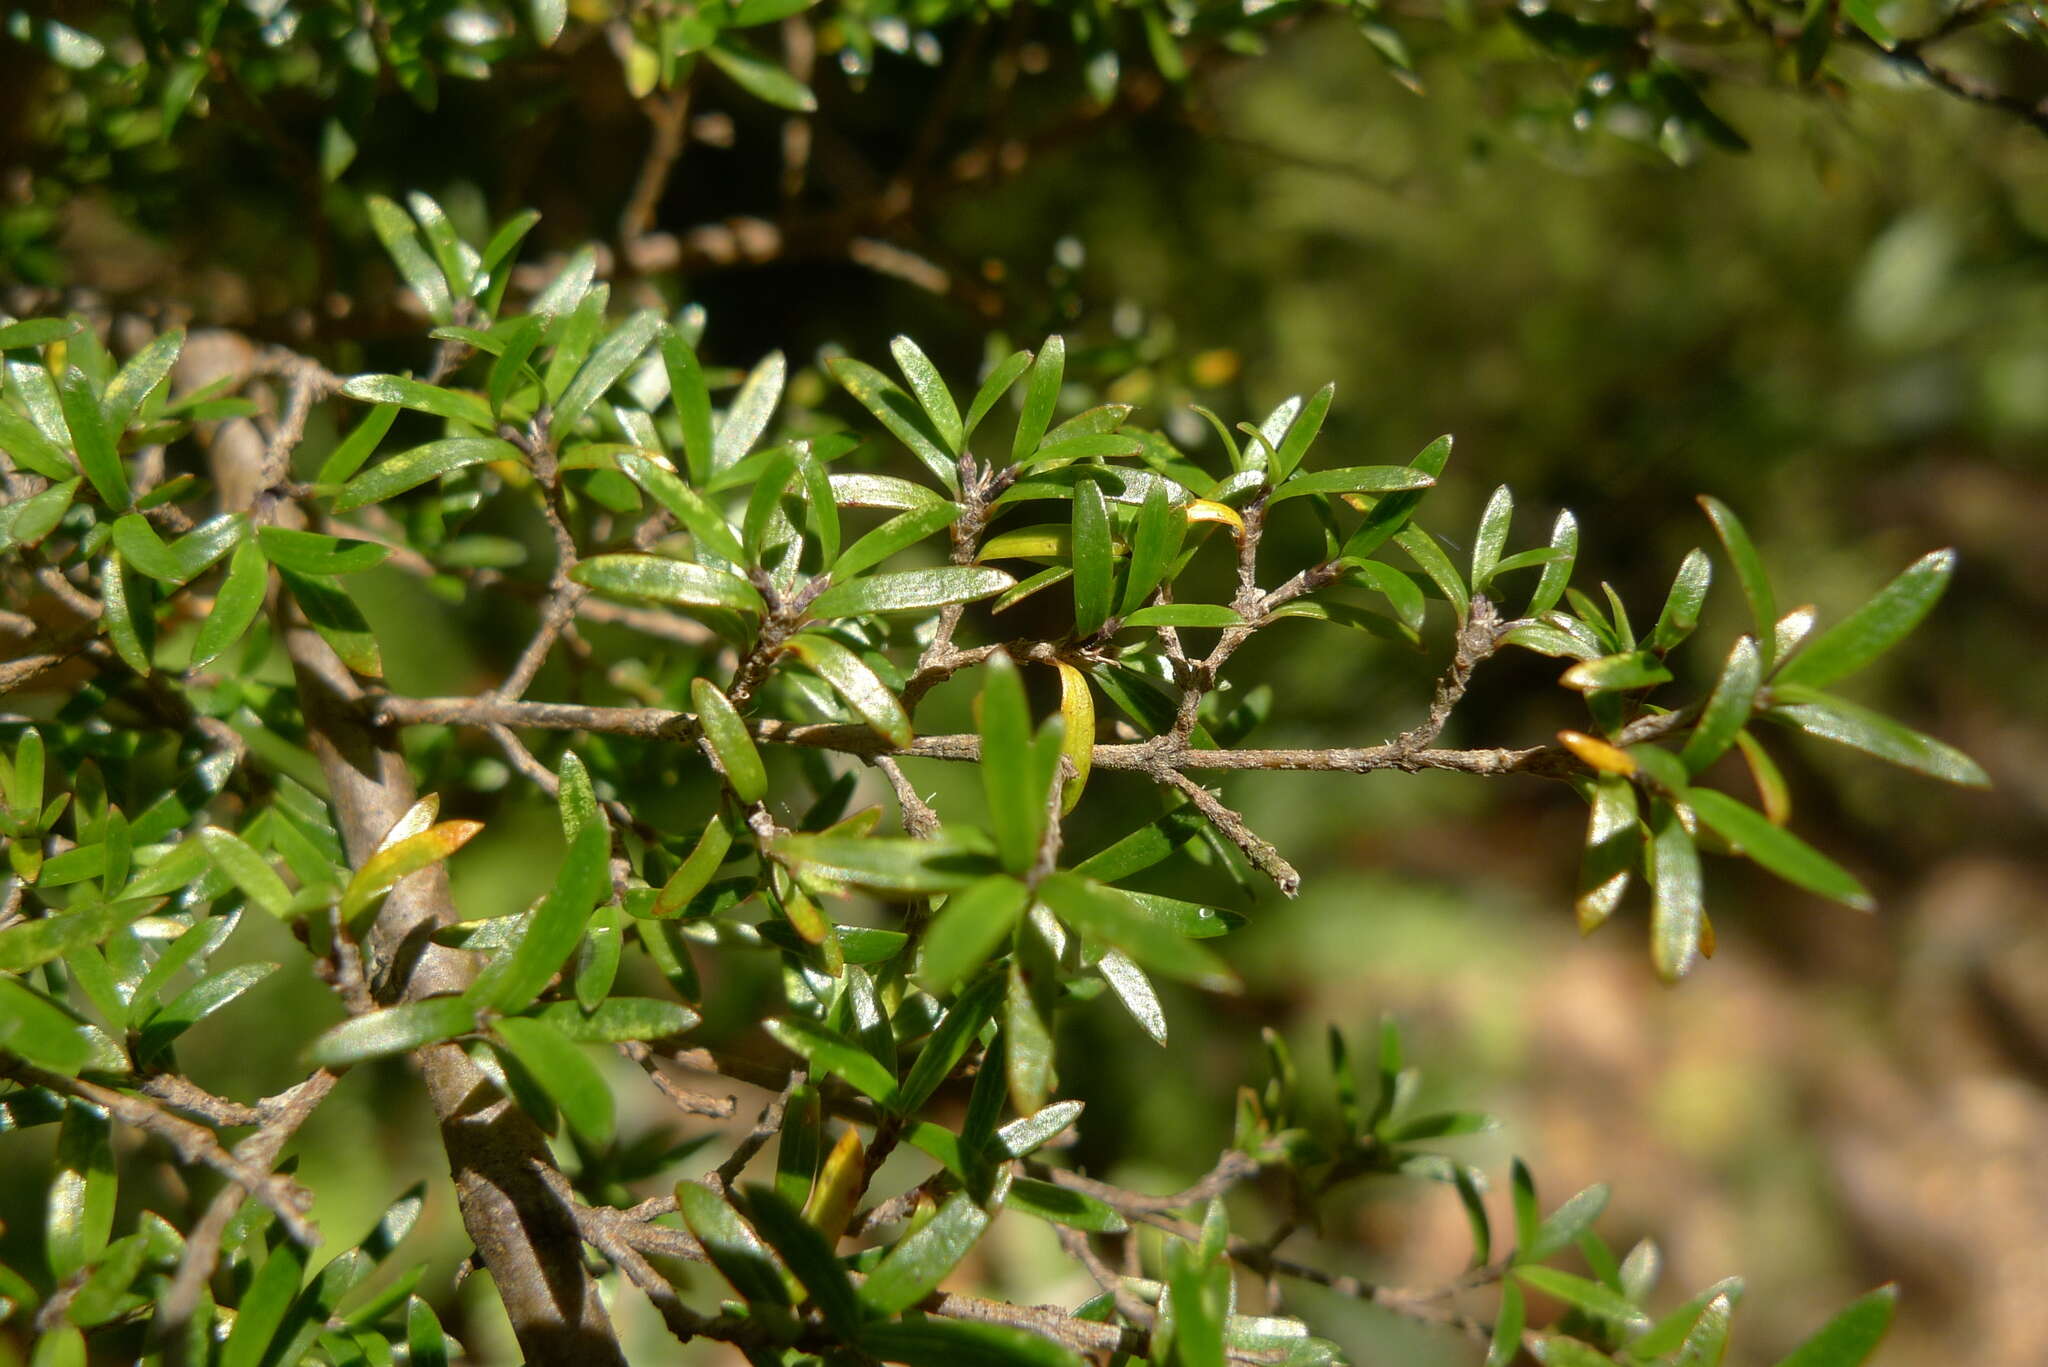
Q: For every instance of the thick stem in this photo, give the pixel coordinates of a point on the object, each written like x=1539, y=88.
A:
x=499, y=1159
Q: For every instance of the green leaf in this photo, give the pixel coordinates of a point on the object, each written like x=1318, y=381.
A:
x=1423, y=549
x=662, y=580
x=730, y=741
x=394, y=228
x=949, y=1042
x=967, y=929
x=410, y=469
x=998, y=383
x=42, y=1031
x=1845, y=723
x=1875, y=627
x=1393, y=510
x=1728, y=707
x=27, y=521
x=99, y=459
x=313, y=553
x=1589, y=1296
x=952, y=1343
x=1851, y=1337
x=1494, y=523
x=565, y=1073
x=188, y=557
x=705, y=523
x=1612, y=849
x=264, y=1306
x=392, y=1030
x=1112, y=915
x=31, y=449
x=932, y=396
x=910, y=591
x=864, y=692
x=234, y=605
x=518, y=973
x=731, y=1244
x=196, y=1003
x=1155, y=544
x=1506, y=1344
x=616, y=1019
x=1564, y=538
x=1010, y=772
x=145, y=370
x=1749, y=571
x=1777, y=849
x=1681, y=612
x=1041, y=397
x=1300, y=434
x=1183, y=615
x=548, y=18
x=80, y=1203
x=1670, y=1333
x=834, y=1054
x=805, y=1253
x=898, y=412
x=338, y=620
x=1617, y=673
x=904, y=530
x=455, y=404
x=1863, y=14
x=917, y=1264
x=948, y=862
x=355, y=448
x=1566, y=1223
x=36, y=332
x=692, y=400
x=1373, y=479
x=762, y=79
x=614, y=357
x=1093, y=562
x=248, y=870
x=747, y=417
x=1676, y=911
x=1074, y=1209
x=426, y=1345
x=1200, y=1293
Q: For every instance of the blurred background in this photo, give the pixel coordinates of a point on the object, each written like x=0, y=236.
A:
x=1844, y=333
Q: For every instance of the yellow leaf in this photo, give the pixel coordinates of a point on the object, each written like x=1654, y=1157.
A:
x=1597, y=754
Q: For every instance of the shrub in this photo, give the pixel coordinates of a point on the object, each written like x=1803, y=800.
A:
x=760, y=589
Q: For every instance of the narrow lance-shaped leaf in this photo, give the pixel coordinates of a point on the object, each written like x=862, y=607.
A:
x=1676, y=911
x=851, y=678
x=949, y=1042
x=1302, y=433
x=662, y=580
x=565, y=1073
x=967, y=929
x=392, y=1030
x=734, y=1249
x=1682, y=605
x=412, y=468
x=1850, y=1338
x=730, y=740
x=932, y=396
x=1777, y=849
x=804, y=1251
x=1875, y=627
x=1728, y=707
x=1093, y=562
x=1749, y=571
x=1494, y=523
x=998, y=383
x=1846, y=723
x=1612, y=849
x=1041, y=397
x=99, y=458
x=900, y=413
x=917, y=1264
x=517, y=975
x=1077, y=735
x=1017, y=805
x=910, y=590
